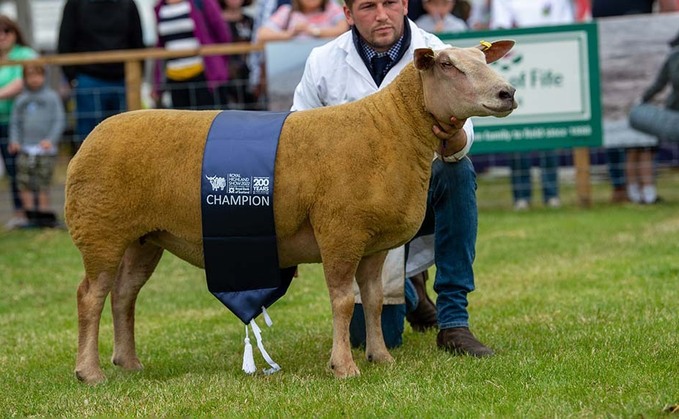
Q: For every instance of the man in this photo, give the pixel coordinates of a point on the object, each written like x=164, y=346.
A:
x=357, y=63
x=98, y=25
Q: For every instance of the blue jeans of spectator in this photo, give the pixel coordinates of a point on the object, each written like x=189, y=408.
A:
x=616, y=167
x=452, y=216
x=96, y=99
x=521, y=181
x=9, y=161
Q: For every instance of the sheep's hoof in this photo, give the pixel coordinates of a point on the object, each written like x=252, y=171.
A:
x=345, y=371
x=91, y=378
x=132, y=364
x=379, y=357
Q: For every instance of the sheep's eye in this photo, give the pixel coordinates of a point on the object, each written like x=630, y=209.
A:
x=447, y=65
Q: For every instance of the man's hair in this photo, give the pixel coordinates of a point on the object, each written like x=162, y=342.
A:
x=349, y=3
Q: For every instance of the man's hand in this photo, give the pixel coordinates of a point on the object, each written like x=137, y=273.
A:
x=453, y=137
x=13, y=148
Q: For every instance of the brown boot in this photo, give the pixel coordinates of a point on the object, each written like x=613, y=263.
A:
x=461, y=341
x=424, y=315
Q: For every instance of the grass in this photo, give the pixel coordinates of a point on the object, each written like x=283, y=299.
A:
x=580, y=306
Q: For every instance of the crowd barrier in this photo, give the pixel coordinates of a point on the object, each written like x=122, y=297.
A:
x=583, y=173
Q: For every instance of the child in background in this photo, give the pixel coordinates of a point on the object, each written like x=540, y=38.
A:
x=439, y=17
x=236, y=93
x=35, y=128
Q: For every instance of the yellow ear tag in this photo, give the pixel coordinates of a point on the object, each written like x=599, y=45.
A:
x=486, y=45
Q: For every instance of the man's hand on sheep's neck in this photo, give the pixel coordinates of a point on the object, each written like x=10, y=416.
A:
x=453, y=137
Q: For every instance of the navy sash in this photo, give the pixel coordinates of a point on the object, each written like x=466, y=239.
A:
x=239, y=235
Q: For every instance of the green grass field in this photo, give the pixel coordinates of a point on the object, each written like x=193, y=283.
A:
x=580, y=306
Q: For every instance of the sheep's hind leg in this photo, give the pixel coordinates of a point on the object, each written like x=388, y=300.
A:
x=369, y=279
x=139, y=262
x=339, y=274
x=92, y=294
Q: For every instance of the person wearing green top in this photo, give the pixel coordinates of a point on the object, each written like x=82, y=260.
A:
x=12, y=47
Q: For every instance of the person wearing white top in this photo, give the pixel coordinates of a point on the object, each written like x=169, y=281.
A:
x=360, y=62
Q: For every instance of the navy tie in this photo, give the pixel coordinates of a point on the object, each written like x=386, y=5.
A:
x=380, y=64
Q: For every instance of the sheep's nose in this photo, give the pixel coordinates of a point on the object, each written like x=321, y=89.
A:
x=507, y=93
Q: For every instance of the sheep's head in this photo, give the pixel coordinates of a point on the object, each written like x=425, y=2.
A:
x=459, y=82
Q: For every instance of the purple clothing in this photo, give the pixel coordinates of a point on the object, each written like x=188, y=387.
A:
x=209, y=29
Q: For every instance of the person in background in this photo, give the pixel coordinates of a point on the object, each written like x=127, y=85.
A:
x=295, y=19
x=462, y=9
x=617, y=156
x=188, y=24
x=379, y=45
x=12, y=47
x=518, y=14
x=236, y=93
x=640, y=160
x=91, y=26
x=479, y=18
x=439, y=18
x=304, y=19
x=257, y=83
x=35, y=129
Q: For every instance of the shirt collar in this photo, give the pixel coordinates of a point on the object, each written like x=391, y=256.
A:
x=391, y=52
x=396, y=52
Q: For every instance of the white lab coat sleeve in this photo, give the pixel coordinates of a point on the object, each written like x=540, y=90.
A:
x=469, y=130
x=420, y=255
x=308, y=93
x=393, y=278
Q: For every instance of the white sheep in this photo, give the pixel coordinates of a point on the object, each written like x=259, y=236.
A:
x=351, y=183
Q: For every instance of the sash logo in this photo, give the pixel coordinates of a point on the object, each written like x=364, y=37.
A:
x=218, y=183
x=238, y=184
x=260, y=185
x=239, y=190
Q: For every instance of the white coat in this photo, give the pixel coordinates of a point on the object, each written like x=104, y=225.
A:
x=335, y=74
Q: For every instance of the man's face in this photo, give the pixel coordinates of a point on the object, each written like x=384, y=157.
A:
x=380, y=22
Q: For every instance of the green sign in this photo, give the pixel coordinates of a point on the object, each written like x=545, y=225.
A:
x=555, y=71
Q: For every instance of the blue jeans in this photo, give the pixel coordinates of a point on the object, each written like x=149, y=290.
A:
x=616, y=166
x=97, y=99
x=9, y=161
x=452, y=216
x=521, y=182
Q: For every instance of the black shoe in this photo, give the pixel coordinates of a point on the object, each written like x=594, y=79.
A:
x=424, y=315
x=461, y=341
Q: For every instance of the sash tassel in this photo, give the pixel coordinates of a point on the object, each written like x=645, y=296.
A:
x=248, y=357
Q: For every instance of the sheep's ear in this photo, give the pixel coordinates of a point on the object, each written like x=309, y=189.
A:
x=495, y=50
x=424, y=58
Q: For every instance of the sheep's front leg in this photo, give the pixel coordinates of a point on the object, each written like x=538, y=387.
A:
x=369, y=279
x=339, y=275
x=139, y=262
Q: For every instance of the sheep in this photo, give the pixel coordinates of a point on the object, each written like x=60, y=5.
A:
x=351, y=183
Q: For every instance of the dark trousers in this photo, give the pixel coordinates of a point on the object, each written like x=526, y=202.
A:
x=191, y=94
x=10, y=166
